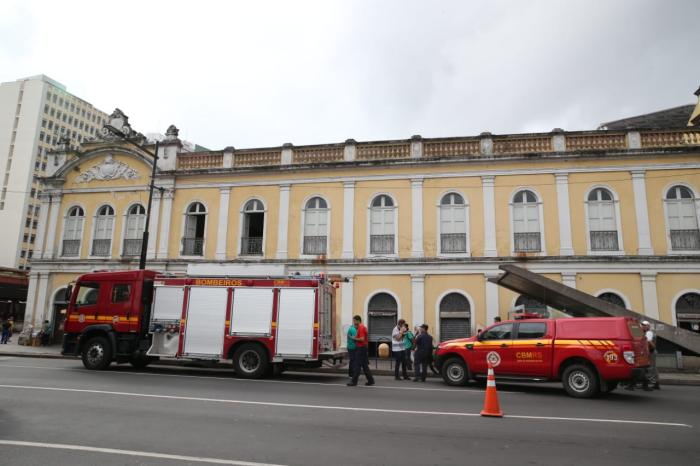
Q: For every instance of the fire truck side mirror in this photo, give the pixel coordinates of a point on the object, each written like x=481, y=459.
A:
x=68, y=293
x=147, y=292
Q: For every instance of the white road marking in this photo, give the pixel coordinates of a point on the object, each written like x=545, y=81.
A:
x=289, y=382
x=333, y=408
x=147, y=454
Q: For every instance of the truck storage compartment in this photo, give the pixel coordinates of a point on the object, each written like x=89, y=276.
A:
x=206, y=318
x=295, y=322
x=252, y=311
x=165, y=321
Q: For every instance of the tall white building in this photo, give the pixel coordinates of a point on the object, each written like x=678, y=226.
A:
x=35, y=113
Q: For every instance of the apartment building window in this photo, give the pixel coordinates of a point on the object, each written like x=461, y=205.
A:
x=23, y=254
x=195, y=221
x=315, y=226
x=46, y=108
x=382, y=230
x=50, y=126
x=28, y=223
x=253, y=228
x=102, y=237
x=453, y=224
x=73, y=232
x=32, y=239
x=682, y=220
x=35, y=224
x=602, y=221
x=26, y=238
x=41, y=136
x=52, y=112
x=526, y=222
x=70, y=120
x=53, y=98
x=43, y=123
x=135, y=222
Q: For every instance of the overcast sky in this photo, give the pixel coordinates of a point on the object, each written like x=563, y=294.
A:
x=256, y=73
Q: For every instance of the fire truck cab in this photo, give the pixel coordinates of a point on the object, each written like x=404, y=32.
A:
x=261, y=324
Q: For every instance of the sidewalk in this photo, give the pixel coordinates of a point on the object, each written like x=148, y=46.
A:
x=378, y=366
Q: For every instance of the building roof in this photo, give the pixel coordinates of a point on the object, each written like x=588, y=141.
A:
x=676, y=117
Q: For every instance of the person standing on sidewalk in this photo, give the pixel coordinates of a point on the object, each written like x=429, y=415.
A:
x=424, y=348
x=352, y=349
x=408, y=343
x=397, y=348
x=5, y=331
x=652, y=375
x=361, y=358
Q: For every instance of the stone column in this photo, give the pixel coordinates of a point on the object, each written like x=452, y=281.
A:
x=651, y=300
x=30, y=307
x=641, y=208
x=41, y=303
x=346, y=311
x=45, y=199
x=283, y=224
x=164, y=237
x=417, y=217
x=566, y=247
x=222, y=229
x=50, y=248
x=568, y=279
x=153, y=227
x=418, y=298
x=488, y=183
x=348, y=219
x=492, y=304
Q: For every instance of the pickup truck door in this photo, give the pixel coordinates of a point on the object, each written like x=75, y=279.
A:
x=499, y=339
x=532, y=349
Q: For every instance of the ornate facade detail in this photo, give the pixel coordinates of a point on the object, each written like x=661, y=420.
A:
x=109, y=169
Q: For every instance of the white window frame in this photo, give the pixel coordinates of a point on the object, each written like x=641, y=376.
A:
x=182, y=230
x=436, y=332
x=540, y=213
x=626, y=300
x=675, y=299
x=303, y=227
x=242, y=226
x=438, y=240
x=395, y=254
x=93, y=231
x=63, y=232
x=618, y=223
x=125, y=219
x=696, y=201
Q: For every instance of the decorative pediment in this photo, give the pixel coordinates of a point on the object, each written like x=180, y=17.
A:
x=109, y=169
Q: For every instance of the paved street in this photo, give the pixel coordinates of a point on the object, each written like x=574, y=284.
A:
x=177, y=415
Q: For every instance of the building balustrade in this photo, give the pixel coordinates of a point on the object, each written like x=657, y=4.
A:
x=71, y=248
x=314, y=245
x=685, y=240
x=381, y=244
x=453, y=243
x=101, y=247
x=192, y=246
x=132, y=247
x=604, y=241
x=251, y=246
x=527, y=242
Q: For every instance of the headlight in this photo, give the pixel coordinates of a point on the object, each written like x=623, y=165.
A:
x=629, y=357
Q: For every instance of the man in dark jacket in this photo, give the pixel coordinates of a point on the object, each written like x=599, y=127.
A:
x=424, y=348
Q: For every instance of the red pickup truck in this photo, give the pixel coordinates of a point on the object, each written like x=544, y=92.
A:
x=588, y=355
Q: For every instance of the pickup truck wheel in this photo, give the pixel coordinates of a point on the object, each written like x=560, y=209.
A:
x=250, y=361
x=580, y=381
x=97, y=353
x=454, y=372
x=609, y=386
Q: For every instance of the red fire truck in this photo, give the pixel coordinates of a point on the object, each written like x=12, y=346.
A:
x=261, y=324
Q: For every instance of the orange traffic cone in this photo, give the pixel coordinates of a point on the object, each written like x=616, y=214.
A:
x=491, y=406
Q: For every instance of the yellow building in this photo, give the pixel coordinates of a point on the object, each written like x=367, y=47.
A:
x=416, y=226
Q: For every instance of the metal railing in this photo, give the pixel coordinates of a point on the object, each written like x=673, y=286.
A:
x=251, y=246
x=381, y=244
x=132, y=247
x=527, y=242
x=314, y=245
x=71, y=248
x=453, y=242
x=685, y=240
x=101, y=247
x=604, y=241
x=192, y=246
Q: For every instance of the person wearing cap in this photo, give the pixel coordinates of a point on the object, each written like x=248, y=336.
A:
x=424, y=346
x=651, y=375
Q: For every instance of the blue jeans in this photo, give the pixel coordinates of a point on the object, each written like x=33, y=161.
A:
x=5, y=336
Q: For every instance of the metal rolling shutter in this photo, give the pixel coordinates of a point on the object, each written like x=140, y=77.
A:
x=380, y=325
x=451, y=328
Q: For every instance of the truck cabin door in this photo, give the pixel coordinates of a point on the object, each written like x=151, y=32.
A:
x=119, y=309
x=86, y=306
x=498, y=339
x=532, y=349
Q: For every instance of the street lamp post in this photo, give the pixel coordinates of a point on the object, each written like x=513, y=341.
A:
x=119, y=126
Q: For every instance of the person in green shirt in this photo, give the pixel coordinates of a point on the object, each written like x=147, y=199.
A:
x=408, y=342
x=352, y=346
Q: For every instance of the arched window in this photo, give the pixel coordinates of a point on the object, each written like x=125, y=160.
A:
x=382, y=312
x=682, y=219
x=195, y=221
x=688, y=312
x=102, y=238
x=613, y=298
x=382, y=226
x=455, y=317
x=526, y=222
x=253, y=228
x=602, y=224
x=316, y=226
x=532, y=306
x=133, y=236
x=453, y=224
x=72, y=232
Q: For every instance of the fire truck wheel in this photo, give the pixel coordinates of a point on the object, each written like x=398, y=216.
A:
x=97, y=353
x=139, y=360
x=454, y=372
x=580, y=381
x=250, y=361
